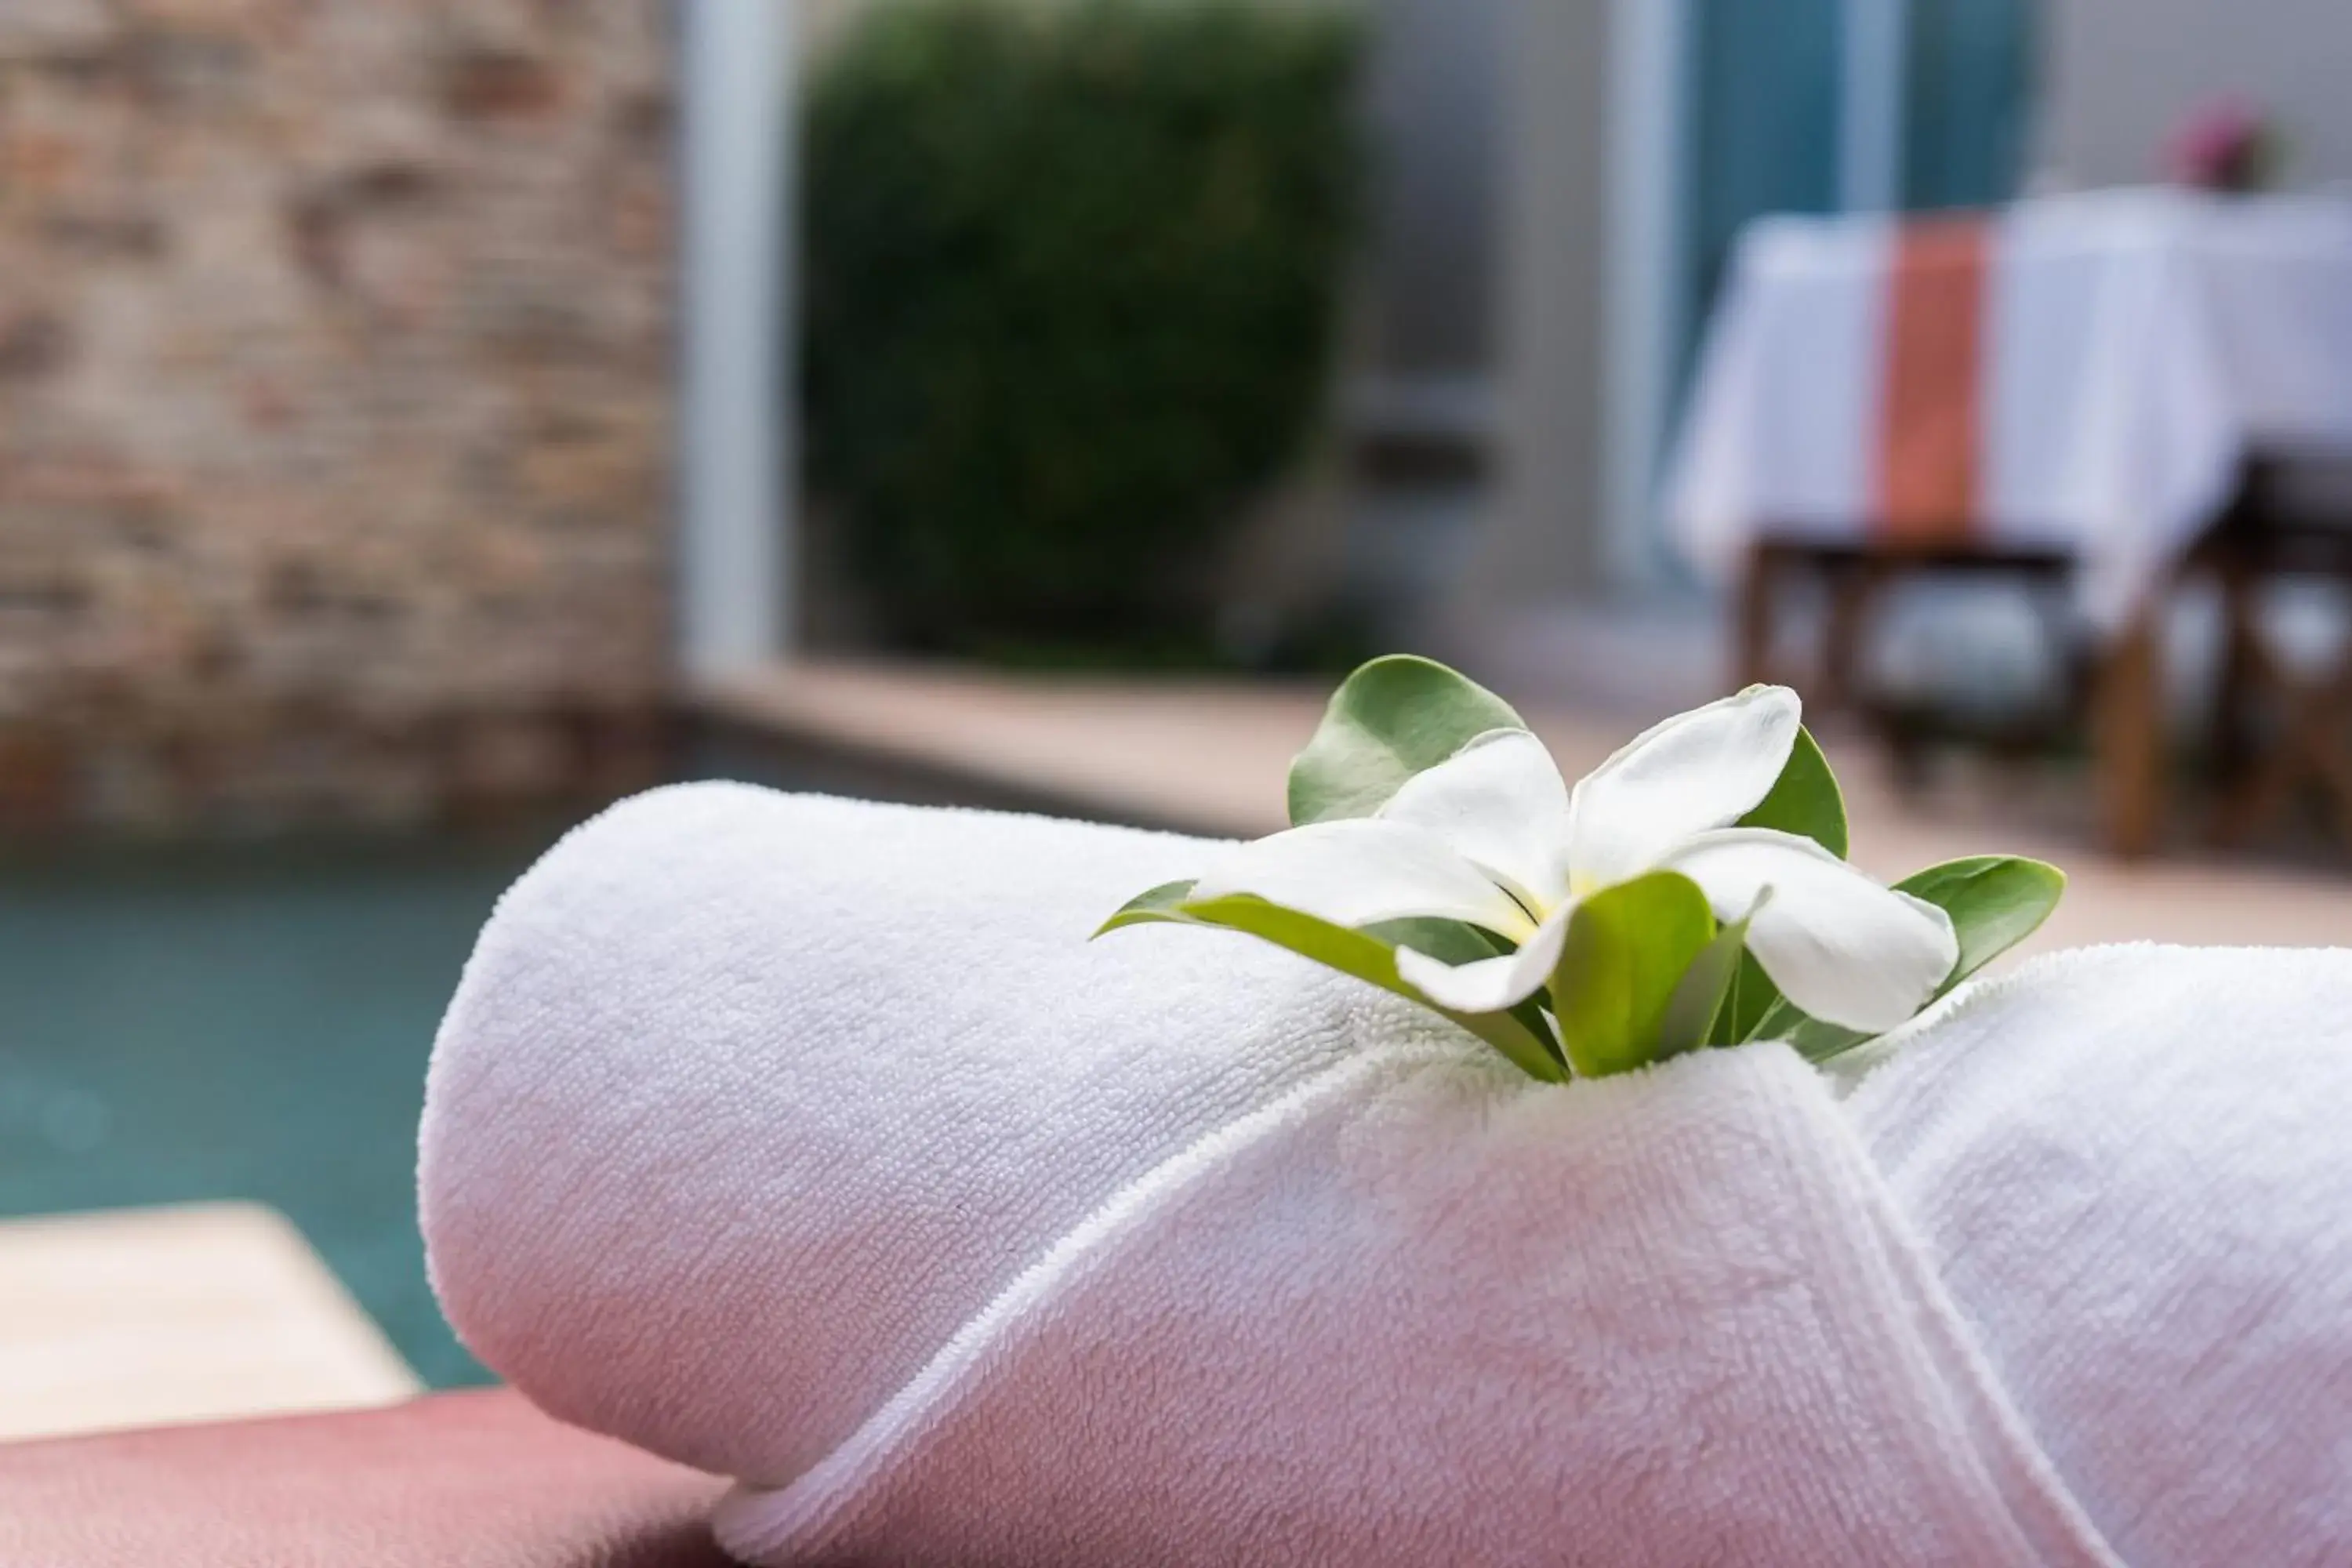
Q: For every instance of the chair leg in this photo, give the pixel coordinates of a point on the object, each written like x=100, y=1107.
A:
x=2129, y=732
x=2324, y=742
x=2247, y=673
x=1759, y=584
x=2259, y=782
x=1854, y=594
x=2312, y=746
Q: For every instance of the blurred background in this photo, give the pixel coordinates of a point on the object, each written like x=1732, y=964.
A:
x=421, y=424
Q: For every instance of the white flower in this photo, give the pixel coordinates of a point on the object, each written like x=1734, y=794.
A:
x=1494, y=837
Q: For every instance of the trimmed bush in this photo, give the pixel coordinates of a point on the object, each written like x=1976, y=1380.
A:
x=1073, y=278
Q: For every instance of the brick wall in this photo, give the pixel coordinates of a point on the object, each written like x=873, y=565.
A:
x=333, y=404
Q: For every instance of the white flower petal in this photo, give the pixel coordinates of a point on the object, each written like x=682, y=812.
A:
x=1700, y=770
x=1360, y=871
x=1487, y=984
x=1499, y=801
x=1839, y=945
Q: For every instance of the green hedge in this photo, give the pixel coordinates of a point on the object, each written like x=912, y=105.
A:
x=1073, y=278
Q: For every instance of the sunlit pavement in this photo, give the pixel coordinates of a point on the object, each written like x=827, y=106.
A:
x=1209, y=757
x=189, y=1312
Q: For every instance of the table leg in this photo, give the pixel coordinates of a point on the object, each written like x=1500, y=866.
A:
x=2257, y=781
x=2128, y=731
x=1853, y=593
x=2246, y=677
x=2331, y=753
x=1757, y=584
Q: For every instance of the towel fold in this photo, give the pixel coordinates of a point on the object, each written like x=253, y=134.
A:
x=809, y=1142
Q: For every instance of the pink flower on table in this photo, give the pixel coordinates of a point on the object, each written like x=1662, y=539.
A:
x=2226, y=145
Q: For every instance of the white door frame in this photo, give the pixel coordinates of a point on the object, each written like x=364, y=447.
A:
x=1650, y=50
x=1650, y=54
x=1871, y=101
x=736, y=446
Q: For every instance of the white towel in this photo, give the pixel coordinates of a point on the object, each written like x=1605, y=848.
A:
x=810, y=1142
x=2132, y=1169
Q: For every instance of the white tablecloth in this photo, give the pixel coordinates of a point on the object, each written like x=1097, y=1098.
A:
x=2134, y=346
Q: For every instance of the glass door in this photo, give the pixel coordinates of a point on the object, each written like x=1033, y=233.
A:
x=1765, y=90
x=1968, y=101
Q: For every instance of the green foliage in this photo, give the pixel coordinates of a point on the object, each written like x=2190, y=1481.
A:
x=1361, y=953
x=1391, y=719
x=1627, y=949
x=1805, y=799
x=1751, y=999
x=1995, y=900
x=1458, y=942
x=1705, y=994
x=1644, y=973
x=1071, y=287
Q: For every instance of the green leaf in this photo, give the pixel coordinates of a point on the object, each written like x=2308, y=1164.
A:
x=1995, y=900
x=1391, y=719
x=1804, y=799
x=1627, y=949
x=1164, y=902
x=1700, y=996
x=1459, y=942
x=1360, y=953
x=1448, y=941
x=1812, y=1038
x=1753, y=996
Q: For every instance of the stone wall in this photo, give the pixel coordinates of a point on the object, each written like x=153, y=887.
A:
x=334, y=342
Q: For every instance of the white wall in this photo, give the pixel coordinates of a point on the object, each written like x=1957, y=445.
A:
x=2121, y=73
x=1435, y=125
x=1543, y=541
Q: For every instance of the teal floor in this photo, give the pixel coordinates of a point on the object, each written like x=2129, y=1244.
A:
x=251, y=1019
x=247, y=1021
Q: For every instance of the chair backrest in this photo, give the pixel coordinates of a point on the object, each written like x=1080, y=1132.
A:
x=2313, y=490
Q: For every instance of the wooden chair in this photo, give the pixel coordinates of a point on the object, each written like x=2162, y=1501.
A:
x=2281, y=733
x=1855, y=581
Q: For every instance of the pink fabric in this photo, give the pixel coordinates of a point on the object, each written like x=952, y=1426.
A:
x=457, y=1480
x=1932, y=388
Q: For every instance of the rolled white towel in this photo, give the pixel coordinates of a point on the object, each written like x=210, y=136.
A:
x=811, y=1142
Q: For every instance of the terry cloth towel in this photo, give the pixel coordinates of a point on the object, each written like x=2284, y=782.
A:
x=809, y=1142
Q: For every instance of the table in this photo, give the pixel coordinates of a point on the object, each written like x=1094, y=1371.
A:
x=2081, y=379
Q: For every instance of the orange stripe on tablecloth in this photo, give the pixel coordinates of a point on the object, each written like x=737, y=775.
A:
x=1927, y=410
